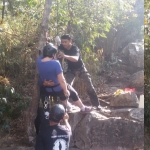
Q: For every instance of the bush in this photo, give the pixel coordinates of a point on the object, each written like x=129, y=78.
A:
x=12, y=104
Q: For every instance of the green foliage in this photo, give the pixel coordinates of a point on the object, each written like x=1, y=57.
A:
x=88, y=20
x=18, y=41
x=12, y=105
x=85, y=20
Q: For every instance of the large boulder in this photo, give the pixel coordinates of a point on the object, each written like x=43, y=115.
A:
x=137, y=79
x=136, y=55
x=136, y=114
x=128, y=99
x=96, y=132
x=133, y=54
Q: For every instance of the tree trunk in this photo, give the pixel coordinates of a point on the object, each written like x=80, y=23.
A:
x=32, y=110
x=115, y=40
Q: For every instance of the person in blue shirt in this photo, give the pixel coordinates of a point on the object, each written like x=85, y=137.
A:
x=50, y=70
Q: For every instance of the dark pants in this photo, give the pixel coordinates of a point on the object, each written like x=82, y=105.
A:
x=85, y=76
x=41, y=122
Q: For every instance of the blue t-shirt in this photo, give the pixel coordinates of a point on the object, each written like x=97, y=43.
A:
x=48, y=71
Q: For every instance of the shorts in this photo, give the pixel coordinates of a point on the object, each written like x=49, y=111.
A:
x=73, y=94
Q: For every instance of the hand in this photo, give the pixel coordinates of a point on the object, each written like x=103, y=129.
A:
x=67, y=93
x=48, y=83
x=66, y=117
x=61, y=55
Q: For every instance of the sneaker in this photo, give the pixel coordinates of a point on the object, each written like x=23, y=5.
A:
x=87, y=110
x=99, y=108
x=68, y=107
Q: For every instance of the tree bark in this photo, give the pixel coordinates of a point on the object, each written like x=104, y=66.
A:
x=3, y=11
x=31, y=112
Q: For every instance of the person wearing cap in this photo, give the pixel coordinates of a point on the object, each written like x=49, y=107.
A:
x=55, y=136
x=50, y=70
x=76, y=67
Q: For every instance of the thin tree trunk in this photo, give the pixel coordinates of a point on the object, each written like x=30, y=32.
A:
x=32, y=110
x=3, y=11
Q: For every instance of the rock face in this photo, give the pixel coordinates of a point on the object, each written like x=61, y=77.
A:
x=136, y=55
x=137, y=79
x=97, y=132
x=125, y=100
x=137, y=114
x=133, y=55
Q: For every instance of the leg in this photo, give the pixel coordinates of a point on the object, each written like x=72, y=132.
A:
x=73, y=95
x=69, y=77
x=63, y=98
x=77, y=101
x=64, y=102
x=40, y=122
x=90, y=88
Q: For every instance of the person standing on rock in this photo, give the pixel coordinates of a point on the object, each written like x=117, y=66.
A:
x=76, y=67
x=55, y=136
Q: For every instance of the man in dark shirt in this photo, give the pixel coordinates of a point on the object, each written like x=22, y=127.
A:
x=55, y=136
x=76, y=67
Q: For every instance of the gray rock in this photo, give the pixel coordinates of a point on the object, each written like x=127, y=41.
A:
x=133, y=54
x=137, y=79
x=124, y=113
x=111, y=90
x=130, y=69
x=125, y=100
x=137, y=114
x=97, y=132
x=136, y=55
x=129, y=113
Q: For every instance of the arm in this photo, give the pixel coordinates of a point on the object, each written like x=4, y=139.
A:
x=71, y=58
x=62, y=82
x=74, y=57
x=61, y=79
x=66, y=117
